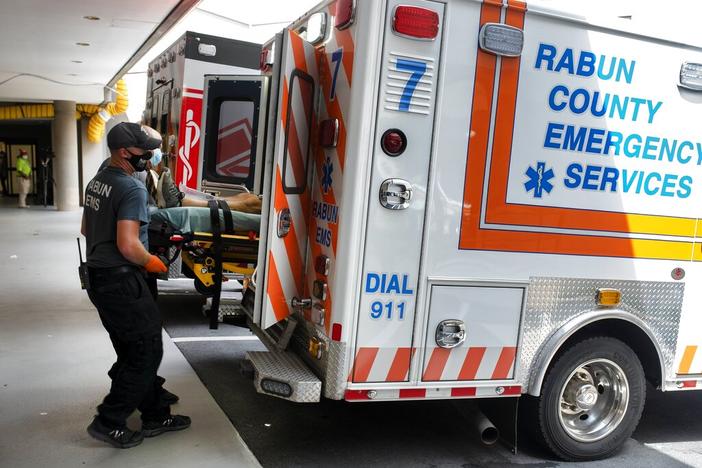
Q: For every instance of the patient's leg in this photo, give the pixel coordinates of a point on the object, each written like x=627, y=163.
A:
x=245, y=202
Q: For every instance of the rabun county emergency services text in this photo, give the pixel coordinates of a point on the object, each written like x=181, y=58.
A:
x=661, y=150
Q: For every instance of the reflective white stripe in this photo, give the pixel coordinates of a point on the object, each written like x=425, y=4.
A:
x=285, y=273
x=438, y=393
x=381, y=365
x=489, y=362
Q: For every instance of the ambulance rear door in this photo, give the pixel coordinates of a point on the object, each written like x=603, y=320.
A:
x=282, y=262
x=234, y=128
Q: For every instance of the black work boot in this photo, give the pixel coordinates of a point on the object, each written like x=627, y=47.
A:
x=120, y=438
x=168, y=397
x=175, y=422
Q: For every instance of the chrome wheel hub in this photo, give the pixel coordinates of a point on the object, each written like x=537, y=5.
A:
x=593, y=400
x=586, y=397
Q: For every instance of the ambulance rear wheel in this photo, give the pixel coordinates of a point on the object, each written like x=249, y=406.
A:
x=591, y=400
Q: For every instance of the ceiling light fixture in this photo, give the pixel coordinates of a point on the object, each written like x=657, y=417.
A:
x=91, y=18
x=83, y=44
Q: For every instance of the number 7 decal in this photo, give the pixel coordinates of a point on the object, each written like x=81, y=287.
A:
x=335, y=58
x=418, y=69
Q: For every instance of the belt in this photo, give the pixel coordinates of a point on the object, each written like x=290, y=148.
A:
x=109, y=273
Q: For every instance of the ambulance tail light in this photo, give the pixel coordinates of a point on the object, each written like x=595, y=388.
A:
x=501, y=39
x=415, y=22
x=345, y=11
x=266, y=59
x=329, y=133
x=336, y=332
x=691, y=76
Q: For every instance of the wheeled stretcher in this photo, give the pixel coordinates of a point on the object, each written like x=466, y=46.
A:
x=214, y=243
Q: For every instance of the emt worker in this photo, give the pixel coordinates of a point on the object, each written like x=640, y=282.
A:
x=115, y=221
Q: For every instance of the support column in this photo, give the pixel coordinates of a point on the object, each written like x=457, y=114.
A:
x=65, y=146
x=92, y=154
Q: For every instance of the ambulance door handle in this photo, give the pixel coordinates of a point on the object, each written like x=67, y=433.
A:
x=395, y=194
x=304, y=303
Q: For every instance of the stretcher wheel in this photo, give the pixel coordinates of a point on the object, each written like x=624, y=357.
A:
x=207, y=291
x=185, y=269
x=591, y=400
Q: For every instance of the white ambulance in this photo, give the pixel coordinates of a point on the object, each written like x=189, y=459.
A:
x=476, y=199
x=174, y=96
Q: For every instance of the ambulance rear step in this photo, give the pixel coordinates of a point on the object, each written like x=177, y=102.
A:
x=282, y=374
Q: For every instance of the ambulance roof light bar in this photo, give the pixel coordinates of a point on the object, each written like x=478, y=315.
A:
x=501, y=39
x=415, y=22
x=691, y=76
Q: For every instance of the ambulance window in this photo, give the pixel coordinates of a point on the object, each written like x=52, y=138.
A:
x=297, y=134
x=234, y=136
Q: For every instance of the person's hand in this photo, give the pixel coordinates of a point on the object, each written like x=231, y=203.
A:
x=155, y=265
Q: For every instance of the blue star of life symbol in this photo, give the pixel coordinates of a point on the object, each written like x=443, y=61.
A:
x=539, y=179
x=327, y=170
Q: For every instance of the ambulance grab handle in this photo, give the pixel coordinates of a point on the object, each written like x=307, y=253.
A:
x=395, y=194
x=304, y=303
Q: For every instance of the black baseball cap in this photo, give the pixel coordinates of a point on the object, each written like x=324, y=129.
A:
x=133, y=135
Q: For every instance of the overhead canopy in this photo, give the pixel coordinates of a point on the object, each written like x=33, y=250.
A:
x=43, y=54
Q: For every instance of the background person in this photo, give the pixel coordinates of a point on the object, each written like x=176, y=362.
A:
x=24, y=172
x=3, y=172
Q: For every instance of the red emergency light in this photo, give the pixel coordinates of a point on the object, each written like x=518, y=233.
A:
x=416, y=22
x=393, y=142
x=345, y=10
x=265, y=59
x=329, y=133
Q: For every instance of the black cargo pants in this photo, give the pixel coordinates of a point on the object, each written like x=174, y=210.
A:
x=132, y=319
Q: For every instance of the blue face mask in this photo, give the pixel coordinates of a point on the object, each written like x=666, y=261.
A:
x=156, y=158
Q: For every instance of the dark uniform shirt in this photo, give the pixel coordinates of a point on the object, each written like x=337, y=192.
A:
x=138, y=175
x=111, y=196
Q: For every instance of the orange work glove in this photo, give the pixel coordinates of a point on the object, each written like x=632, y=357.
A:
x=155, y=265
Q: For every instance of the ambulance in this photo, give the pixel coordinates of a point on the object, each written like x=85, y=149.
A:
x=174, y=96
x=478, y=199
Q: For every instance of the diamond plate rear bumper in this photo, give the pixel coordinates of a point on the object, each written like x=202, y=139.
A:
x=287, y=368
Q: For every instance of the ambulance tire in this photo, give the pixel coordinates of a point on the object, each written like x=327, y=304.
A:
x=565, y=430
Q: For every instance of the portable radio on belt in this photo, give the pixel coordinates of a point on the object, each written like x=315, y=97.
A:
x=83, y=273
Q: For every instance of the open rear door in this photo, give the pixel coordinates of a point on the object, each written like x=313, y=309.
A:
x=287, y=237
x=234, y=125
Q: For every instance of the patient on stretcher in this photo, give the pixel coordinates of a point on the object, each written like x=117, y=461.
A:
x=187, y=211
x=195, y=219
